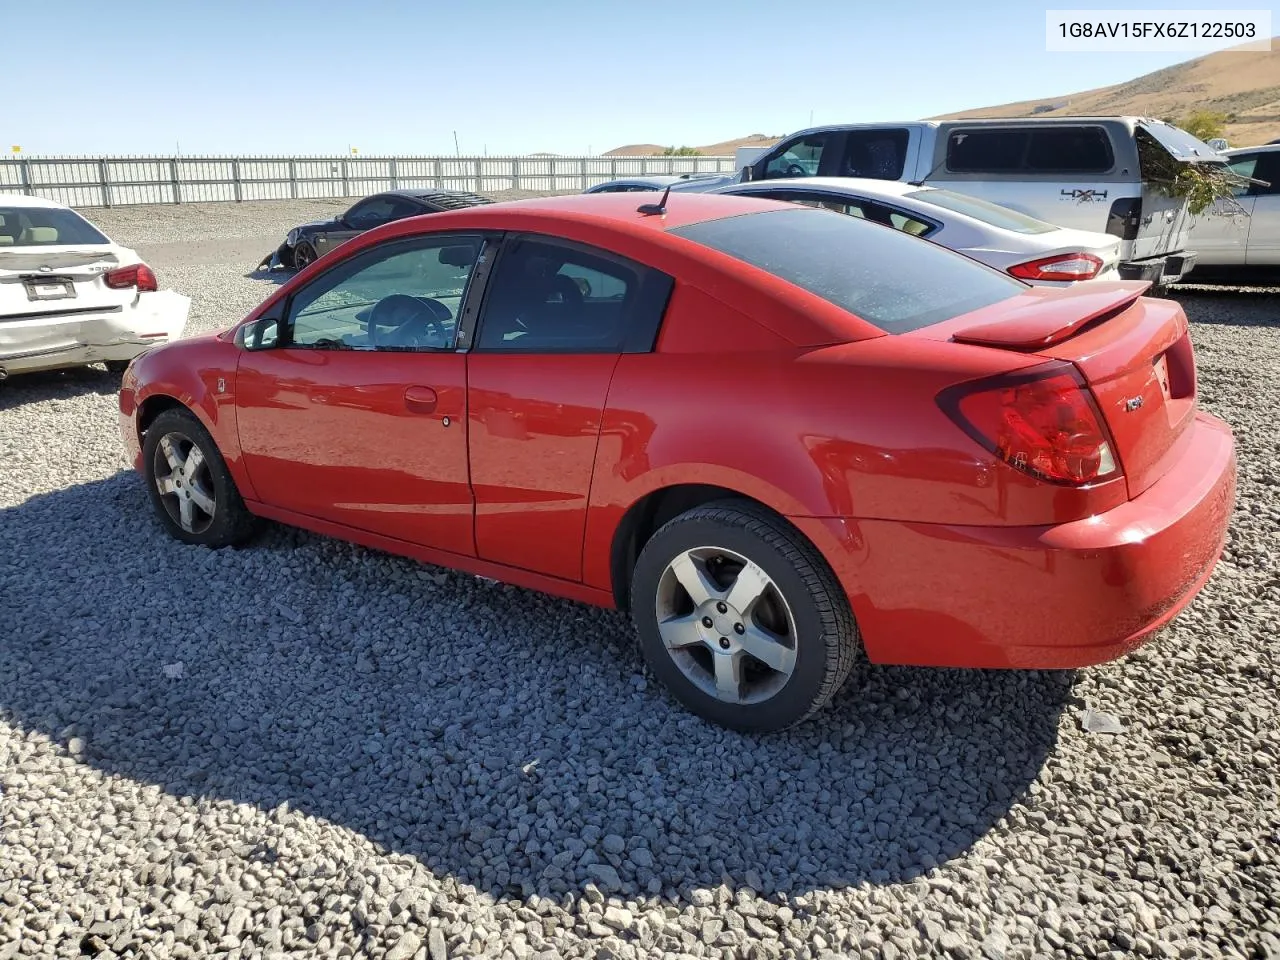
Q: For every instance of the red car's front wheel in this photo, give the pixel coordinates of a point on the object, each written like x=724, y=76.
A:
x=191, y=489
x=741, y=618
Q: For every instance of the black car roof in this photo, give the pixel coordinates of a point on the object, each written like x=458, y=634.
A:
x=448, y=199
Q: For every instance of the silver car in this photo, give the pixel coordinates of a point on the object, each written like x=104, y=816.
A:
x=1032, y=250
x=686, y=181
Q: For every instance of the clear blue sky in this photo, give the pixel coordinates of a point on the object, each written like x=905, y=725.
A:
x=513, y=76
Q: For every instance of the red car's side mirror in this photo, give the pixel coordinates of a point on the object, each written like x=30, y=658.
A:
x=260, y=334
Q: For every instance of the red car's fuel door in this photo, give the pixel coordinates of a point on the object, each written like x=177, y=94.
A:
x=557, y=317
x=356, y=412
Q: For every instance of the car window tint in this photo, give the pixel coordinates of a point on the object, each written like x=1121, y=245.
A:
x=371, y=213
x=405, y=298
x=553, y=298
x=1244, y=165
x=1070, y=150
x=1050, y=149
x=800, y=159
x=909, y=224
x=885, y=277
x=1268, y=169
x=826, y=202
x=45, y=227
x=863, y=209
x=875, y=154
x=401, y=208
x=983, y=210
x=986, y=151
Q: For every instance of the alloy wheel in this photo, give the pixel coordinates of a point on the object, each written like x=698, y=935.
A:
x=726, y=625
x=184, y=483
x=303, y=256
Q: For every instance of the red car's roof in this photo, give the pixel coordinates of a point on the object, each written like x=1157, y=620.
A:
x=613, y=222
x=682, y=208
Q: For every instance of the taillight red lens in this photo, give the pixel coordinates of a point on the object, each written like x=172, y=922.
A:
x=136, y=275
x=1061, y=266
x=1044, y=423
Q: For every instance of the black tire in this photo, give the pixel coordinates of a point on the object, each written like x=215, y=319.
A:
x=230, y=522
x=304, y=254
x=825, y=640
x=116, y=367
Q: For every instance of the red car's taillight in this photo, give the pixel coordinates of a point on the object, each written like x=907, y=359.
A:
x=137, y=275
x=1061, y=266
x=1044, y=423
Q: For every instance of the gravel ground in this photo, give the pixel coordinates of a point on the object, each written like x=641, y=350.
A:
x=303, y=748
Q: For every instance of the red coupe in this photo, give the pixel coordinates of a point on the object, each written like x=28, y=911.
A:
x=778, y=436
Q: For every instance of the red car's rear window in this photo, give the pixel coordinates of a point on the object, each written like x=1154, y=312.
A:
x=891, y=279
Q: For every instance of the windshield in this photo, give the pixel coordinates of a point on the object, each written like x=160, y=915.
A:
x=987, y=212
x=45, y=227
x=896, y=281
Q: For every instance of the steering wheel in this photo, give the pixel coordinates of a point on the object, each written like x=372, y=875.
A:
x=795, y=170
x=414, y=322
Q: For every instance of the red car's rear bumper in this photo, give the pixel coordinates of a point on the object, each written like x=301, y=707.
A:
x=1038, y=597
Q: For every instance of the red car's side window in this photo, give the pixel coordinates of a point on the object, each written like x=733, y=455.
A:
x=553, y=297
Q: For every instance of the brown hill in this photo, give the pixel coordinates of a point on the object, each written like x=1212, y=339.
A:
x=1244, y=85
x=723, y=149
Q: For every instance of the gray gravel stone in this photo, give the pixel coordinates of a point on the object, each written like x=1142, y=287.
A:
x=436, y=945
x=405, y=948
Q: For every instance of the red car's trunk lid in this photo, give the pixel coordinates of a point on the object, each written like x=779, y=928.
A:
x=1133, y=351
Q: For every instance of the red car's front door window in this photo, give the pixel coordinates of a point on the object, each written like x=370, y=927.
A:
x=358, y=416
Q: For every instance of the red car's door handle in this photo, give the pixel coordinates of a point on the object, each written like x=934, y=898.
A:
x=420, y=399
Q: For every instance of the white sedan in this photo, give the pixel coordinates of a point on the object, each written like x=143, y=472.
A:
x=1032, y=250
x=69, y=296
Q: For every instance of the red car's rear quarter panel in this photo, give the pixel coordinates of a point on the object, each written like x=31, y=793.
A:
x=849, y=431
x=1067, y=595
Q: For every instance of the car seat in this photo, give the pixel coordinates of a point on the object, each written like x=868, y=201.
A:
x=34, y=235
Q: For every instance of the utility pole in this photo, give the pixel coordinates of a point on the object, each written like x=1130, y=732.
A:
x=456, y=149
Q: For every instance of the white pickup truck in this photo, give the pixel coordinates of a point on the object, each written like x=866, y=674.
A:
x=1081, y=172
x=1240, y=240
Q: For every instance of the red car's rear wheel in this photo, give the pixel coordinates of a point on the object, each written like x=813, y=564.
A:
x=741, y=617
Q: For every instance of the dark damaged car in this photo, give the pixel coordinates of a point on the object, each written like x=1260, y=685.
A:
x=310, y=241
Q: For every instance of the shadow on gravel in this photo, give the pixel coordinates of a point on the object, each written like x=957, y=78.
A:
x=24, y=388
x=500, y=737
x=1230, y=306
x=278, y=277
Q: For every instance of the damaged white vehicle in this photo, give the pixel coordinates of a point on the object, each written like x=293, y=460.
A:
x=69, y=296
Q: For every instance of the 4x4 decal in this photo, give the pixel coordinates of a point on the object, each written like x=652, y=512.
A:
x=1084, y=196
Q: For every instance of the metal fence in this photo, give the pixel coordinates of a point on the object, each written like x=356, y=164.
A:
x=114, y=181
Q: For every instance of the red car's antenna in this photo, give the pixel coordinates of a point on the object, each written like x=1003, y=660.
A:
x=651, y=208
